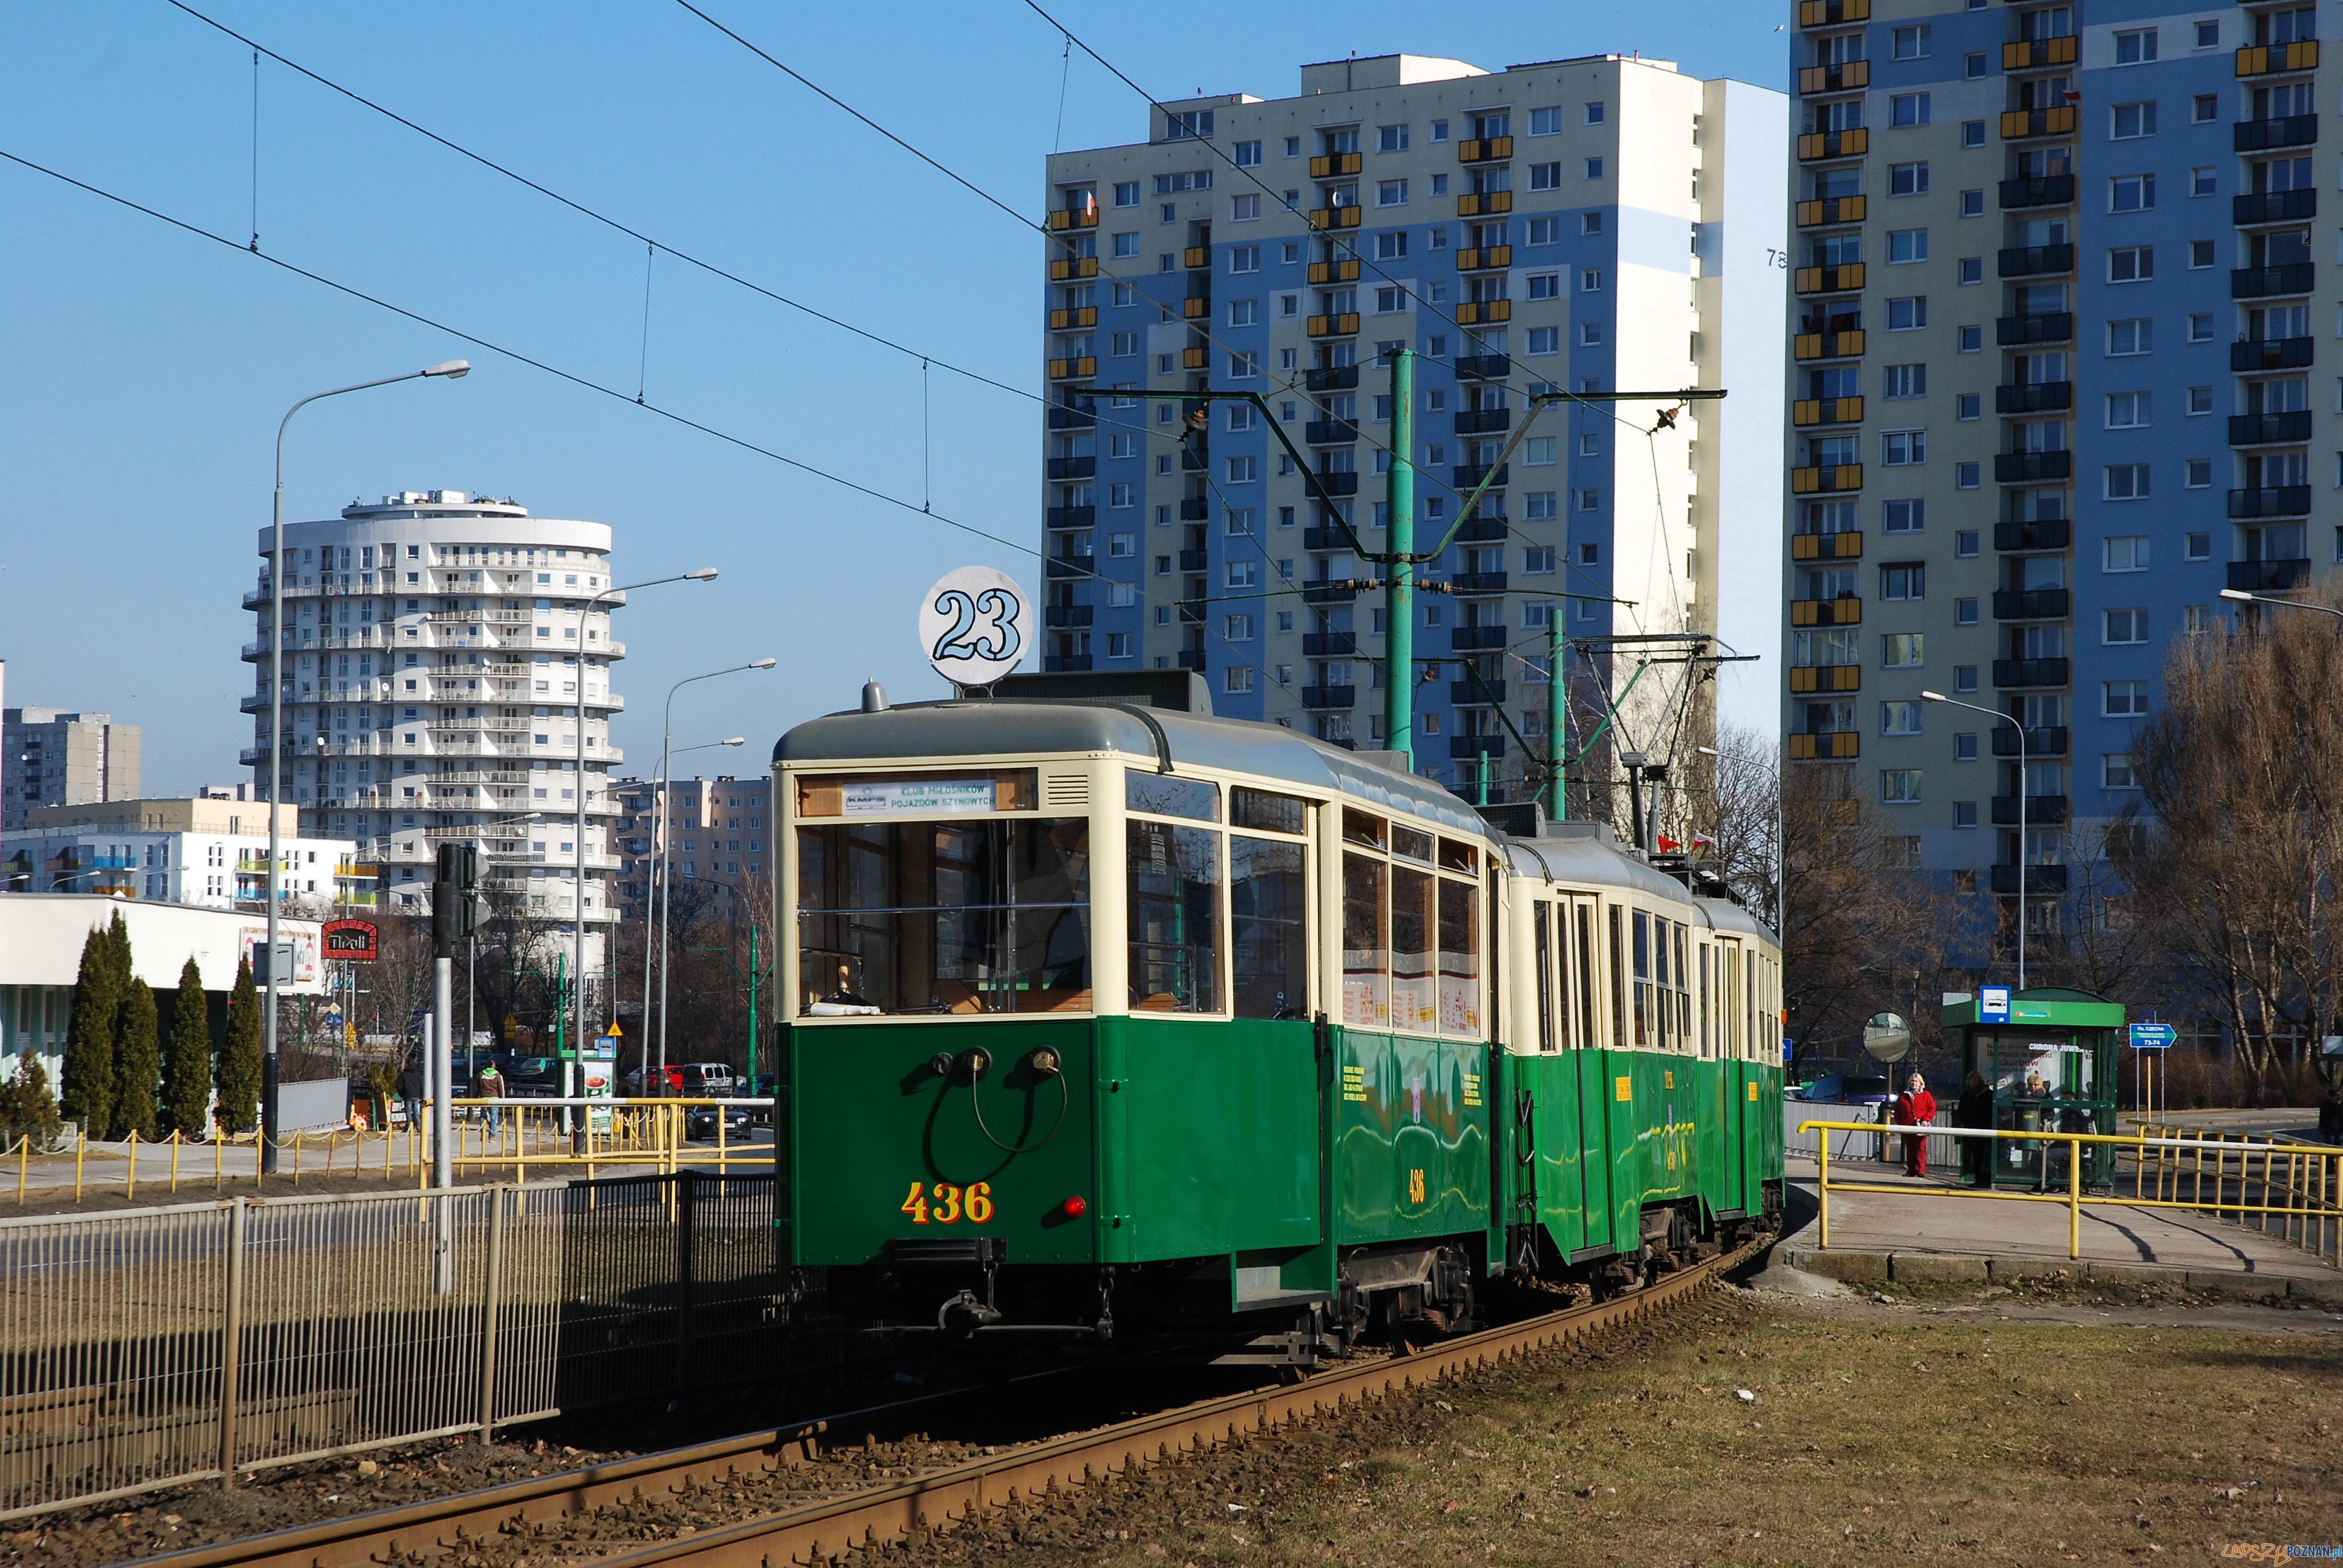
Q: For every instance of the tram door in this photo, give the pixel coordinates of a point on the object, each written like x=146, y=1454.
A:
x=1594, y=1087
x=1723, y=982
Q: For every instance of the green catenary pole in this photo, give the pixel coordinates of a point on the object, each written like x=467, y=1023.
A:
x=1556, y=704
x=1399, y=586
x=752, y=1007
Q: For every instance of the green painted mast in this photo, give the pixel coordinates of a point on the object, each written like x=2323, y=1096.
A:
x=1557, y=703
x=1399, y=584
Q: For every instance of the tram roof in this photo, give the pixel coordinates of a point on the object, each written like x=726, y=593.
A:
x=1013, y=727
x=1589, y=859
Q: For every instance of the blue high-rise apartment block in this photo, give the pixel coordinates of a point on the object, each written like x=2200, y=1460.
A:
x=2056, y=290
x=1577, y=226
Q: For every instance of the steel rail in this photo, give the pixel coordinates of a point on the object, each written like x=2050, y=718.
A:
x=816, y=1532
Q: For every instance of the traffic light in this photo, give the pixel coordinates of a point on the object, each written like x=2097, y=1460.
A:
x=454, y=908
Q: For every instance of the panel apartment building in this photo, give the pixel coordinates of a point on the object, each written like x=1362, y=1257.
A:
x=1585, y=225
x=2056, y=294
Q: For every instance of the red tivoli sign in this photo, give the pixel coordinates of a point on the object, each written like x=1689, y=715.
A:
x=353, y=941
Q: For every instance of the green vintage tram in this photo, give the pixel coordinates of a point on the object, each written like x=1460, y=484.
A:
x=1101, y=1017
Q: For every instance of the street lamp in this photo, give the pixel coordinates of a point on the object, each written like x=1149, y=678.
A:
x=667, y=731
x=2240, y=596
x=578, y=885
x=452, y=370
x=651, y=900
x=2023, y=785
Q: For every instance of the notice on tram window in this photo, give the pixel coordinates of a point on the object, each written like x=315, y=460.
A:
x=917, y=797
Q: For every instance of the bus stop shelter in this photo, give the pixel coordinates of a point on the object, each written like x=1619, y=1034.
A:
x=2049, y=1057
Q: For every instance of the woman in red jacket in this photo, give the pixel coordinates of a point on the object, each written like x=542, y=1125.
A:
x=1915, y=1107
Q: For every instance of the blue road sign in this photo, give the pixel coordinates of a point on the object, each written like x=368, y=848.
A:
x=1993, y=1004
x=2153, y=1036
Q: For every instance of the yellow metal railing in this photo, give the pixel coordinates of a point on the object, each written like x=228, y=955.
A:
x=2301, y=1183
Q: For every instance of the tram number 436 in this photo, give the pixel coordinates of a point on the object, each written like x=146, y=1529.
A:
x=945, y=1204
x=1415, y=1186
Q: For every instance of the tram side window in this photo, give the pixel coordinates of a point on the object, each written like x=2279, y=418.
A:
x=1586, y=1036
x=924, y=917
x=1646, y=1023
x=1681, y=1036
x=1543, y=912
x=1413, y=1004
x=1707, y=1049
x=1366, y=948
x=1460, y=957
x=1174, y=914
x=1618, y=987
x=1267, y=883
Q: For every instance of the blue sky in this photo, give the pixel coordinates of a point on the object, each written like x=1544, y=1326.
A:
x=147, y=369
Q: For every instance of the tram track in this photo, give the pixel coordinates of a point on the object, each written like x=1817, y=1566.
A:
x=814, y=1496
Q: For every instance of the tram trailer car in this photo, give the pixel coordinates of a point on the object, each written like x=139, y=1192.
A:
x=1104, y=1018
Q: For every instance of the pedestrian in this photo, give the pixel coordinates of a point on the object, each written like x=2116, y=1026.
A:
x=1975, y=1109
x=410, y=1091
x=492, y=1089
x=1917, y=1107
x=2330, y=1116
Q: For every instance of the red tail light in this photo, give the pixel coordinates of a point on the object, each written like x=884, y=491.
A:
x=1073, y=1208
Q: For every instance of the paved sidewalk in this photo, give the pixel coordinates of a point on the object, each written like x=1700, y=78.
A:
x=1933, y=1236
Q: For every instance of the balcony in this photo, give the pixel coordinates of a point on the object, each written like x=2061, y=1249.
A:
x=1474, y=584
x=1196, y=308
x=1191, y=658
x=1329, y=644
x=1832, y=12
x=1066, y=218
x=1808, y=411
x=1827, y=280
x=1062, y=417
x=1845, y=610
x=1845, y=345
x=2021, y=124
x=2014, y=672
x=1326, y=539
x=1068, y=269
x=1335, y=217
x=2039, y=881
x=1197, y=258
x=1071, y=518
x=2272, y=59
x=1069, y=614
x=1476, y=693
x=1079, y=369
x=1055, y=662
x=1484, y=312
x=1327, y=432
x=2046, y=326
x=1335, y=165
x=2271, y=501
x=1195, y=561
x=1329, y=696
x=1831, y=745
x=2041, y=810
x=1340, y=379
x=1329, y=590
x=1338, y=484
x=2031, y=604
x=1192, y=612
x=2264, y=282
x=2033, y=398
x=1484, y=203
x=2041, y=190
x=2261, y=430
x=1485, y=150
x=1483, y=421
x=1484, y=258
x=1195, y=359
x=1807, y=679
x=1844, y=77
x=1840, y=547
x=2052, y=534
x=1464, y=748
x=2036, y=260
x=1475, y=638
x=2032, y=468
x=2262, y=136
x=2274, y=206
x=1194, y=459
x=1468, y=475
x=2038, y=54
x=2269, y=577
x=1345, y=325
x=1830, y=210
x=1480, y=531
x=2247, y=355
x=1067, y=320
x=1322, y=273
x=1484, y=367
x=1059, y=569
x=1824, y=481
x=1850, y=144
x=2041, y=740
x=1072, y=468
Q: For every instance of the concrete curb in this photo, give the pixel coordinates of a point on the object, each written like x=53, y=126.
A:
x=1863, y=1266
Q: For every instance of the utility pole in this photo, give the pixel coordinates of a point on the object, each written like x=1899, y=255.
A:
x=1399, y=582
x=1557, y=705
x=452, y=914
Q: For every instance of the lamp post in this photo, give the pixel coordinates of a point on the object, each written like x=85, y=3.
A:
x=658, y=879
x=666, y=731
x=2023, y=785
x=453, y=370
x=578, y=885
x=2240, y=596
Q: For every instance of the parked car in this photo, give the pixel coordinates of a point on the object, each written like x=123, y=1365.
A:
x=533, y=1077
x=1844, y=1089
x=699, y=1121
x=640, y=1076
x=710, y=1080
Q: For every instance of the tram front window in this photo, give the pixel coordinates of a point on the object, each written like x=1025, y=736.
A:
x=944, y=917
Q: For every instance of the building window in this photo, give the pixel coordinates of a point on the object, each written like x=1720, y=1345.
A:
x=2124, y=553
x=1545, y=340
x=1391, y=139
x=2126, y=410
x=2123, y=699
x=2124, y=627
x=2133, y=120
x=1965, y=676
x=1391, y=246
x=1391, y=193
x=1973, y=204
x=1908, y=179
x=2204, y=108
x=1972, y=270
x=1244, y=209
x=1590, y=223
x=1903, y=449
x=1595, y=112
x=1588, y=501
x=2115, y=770
x=2198, y=547
x=2127, y=482
x=1905, y=381
x=2136, y=46
x=1545, y=122
x=1545, y=176
x=2200, y=327
x=1969, y=339
x=1538, y=506
x=1965, y=613
x=1904, y=517
x=1907, y=581
x=2131, y=264
x=1899, y=719
x=1126, y=192
x=1237, y=678
x=1965, y=543
x=1969, y=405
x=2131, y=193
x=1972, y=131
x=1244, y=258
x=1902, y=651
x=1590, y=333
x=1247, y=155
x=1909, y=42
x=1906, y=245
x=1899, y=786
x=2132, y=336
x=1907, y=109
